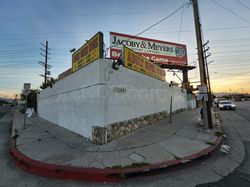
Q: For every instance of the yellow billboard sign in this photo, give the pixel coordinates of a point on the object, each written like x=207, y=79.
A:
x=136, y=62
x=88, y=53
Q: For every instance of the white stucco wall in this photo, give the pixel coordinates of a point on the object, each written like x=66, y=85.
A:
x=97, y=95
x=144, y=95
x=74, y=102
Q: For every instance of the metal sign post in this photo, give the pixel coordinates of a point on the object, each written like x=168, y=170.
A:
x=203, y=96
x=171, y=102
x=26, y=87
x=25, y=108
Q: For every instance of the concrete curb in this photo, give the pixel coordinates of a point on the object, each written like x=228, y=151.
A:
x=103, y=175
x=61, y=172
x=96, y=174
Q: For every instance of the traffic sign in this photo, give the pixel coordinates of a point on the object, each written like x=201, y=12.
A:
x=26, y=86
x=203, y=96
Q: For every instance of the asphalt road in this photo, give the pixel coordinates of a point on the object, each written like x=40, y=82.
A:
x=10, y=176
x=4, y=110
x=241, y=176
x=212, y=169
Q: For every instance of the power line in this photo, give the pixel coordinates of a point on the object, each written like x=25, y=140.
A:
x=158, y=22
x=91, y=15
x=85, y=15
x=242, y=4
x=229, y=65
x=233, y=58
x=236, y=80
x=235, y=51
x=57, y=34
x=15, y=51
x=226, y=56
x=226, y=64
x=230, y=11
x=233, y=68
x=182, y=11
x=70, y=33
x=242, y=73
x=227, y=40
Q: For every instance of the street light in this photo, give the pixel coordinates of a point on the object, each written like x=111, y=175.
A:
x=72, y=50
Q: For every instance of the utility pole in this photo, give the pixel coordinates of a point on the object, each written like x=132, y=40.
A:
x=207, y=121
x=45, y=54
x=205, y=50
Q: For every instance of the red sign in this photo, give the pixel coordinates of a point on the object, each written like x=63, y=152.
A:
x=160, y=52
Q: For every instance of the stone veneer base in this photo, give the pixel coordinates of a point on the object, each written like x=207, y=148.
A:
x=102, y=135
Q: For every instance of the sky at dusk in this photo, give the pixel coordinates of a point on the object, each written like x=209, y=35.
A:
x=67, y=24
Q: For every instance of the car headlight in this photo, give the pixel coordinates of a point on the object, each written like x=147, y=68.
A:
x=233, y=105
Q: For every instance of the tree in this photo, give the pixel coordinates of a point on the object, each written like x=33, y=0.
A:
x=49, y=83
x=31, y=99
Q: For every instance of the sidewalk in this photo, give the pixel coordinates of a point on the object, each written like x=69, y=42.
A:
x=46, y=149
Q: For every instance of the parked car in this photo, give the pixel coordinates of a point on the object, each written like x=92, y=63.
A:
x=226, y=105
x=217, y=100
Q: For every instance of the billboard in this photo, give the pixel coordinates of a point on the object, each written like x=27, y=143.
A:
x=160, y=52
x=136, y=62
x=88, y=53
